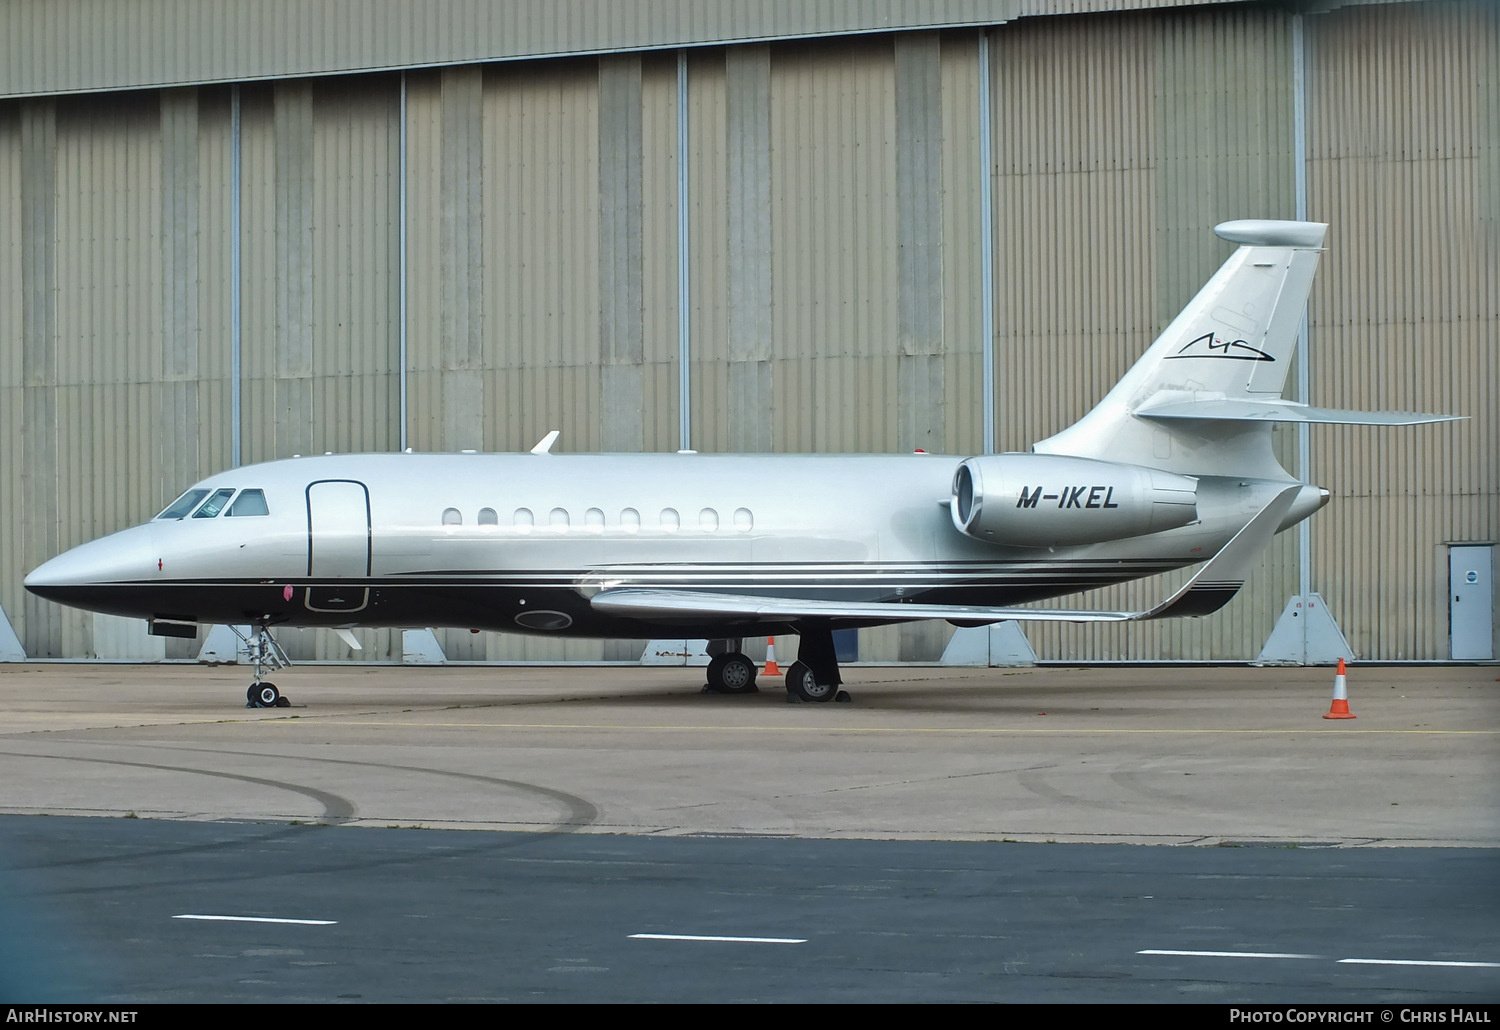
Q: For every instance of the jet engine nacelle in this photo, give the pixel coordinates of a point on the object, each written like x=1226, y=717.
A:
x=1049, y=500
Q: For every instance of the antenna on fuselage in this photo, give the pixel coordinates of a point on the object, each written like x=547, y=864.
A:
x=544, y=445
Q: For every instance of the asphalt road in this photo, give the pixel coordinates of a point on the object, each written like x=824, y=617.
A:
x=428, y=915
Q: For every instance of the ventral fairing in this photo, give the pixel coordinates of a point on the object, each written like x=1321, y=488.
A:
x=1173, y=466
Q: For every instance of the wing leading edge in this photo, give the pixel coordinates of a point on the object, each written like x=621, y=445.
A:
x=1214, y=585
x=1278, y=410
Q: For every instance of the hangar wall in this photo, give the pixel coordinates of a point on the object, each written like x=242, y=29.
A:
x=834, y=291
x=1404, y=162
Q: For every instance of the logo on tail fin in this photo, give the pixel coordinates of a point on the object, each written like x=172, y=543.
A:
x=1210, y=346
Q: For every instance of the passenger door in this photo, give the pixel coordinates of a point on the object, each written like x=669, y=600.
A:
x=338, y=545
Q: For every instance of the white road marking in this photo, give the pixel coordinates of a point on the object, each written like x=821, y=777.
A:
x=1418, y=962
x=1229, y=954
x=731, y=940
x=1341, y=961
x=261, y=919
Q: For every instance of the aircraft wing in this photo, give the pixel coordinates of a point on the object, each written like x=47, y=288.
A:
x=1214, y=585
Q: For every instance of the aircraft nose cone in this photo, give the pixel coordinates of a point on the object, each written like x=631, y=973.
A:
x=83, y=575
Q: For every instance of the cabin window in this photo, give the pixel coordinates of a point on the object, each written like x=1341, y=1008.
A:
x=452, y=517
x=559, y=518
x=214, y=504
x=249, y=502
x=523, y=520
x=488, y=517
x=744, y=522
x=669, y=520
x=184, y=504
x=708, y=520
x=630, y=520
x=594, y=519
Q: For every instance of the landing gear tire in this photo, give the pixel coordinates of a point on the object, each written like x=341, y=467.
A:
x=265, y=695
x=266, y=656
x=731, y=673
x=802, y=685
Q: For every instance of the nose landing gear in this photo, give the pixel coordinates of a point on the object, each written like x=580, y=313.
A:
x=265, y=656
x=265, y=695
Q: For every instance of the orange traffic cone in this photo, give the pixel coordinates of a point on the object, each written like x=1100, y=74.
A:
x=1340, y=707
x=772, y=669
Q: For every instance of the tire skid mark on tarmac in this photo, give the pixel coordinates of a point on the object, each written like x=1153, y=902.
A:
x=336, y=809
x=1038, y=783
x=581, y=812
x=1134, y=781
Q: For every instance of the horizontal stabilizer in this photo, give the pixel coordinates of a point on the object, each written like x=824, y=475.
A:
x=1210, y=589
x=1278, y=410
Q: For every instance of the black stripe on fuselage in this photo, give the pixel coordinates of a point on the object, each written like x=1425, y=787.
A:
x=495, y=603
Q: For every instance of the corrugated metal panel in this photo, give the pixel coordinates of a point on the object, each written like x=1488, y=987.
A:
x=320, y=295
x=213, y=256
x=541, y=264
x=659, y=357
x=56, y=46
x=15, y=556
x=41, y=622
x=710, y=153
x=963, y=344
x=85, y=45
x=1404, y=134
x=424, y=263
x=353, y=277
x=833, y=198
x=258, y=275
x=109, y=336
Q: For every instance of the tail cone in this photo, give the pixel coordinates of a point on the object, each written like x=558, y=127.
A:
x=1340, y=706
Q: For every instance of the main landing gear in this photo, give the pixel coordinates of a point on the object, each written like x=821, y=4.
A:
x=729, y=671
x=265, y=656
x=814, y=676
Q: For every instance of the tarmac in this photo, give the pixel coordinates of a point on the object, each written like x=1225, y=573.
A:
x=1149, y=755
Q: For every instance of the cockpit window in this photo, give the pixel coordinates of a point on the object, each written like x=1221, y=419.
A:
x=184, y=504
x=249, y=502
x=214, y=504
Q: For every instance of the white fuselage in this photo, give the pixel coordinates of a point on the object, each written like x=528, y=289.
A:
x=484, y=541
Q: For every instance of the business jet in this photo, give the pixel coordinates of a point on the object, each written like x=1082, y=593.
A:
x=1174, y=467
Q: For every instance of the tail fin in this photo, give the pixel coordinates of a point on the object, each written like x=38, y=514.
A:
x=1234, y=342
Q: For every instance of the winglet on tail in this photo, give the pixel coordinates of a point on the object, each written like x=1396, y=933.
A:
x=1221, y=577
